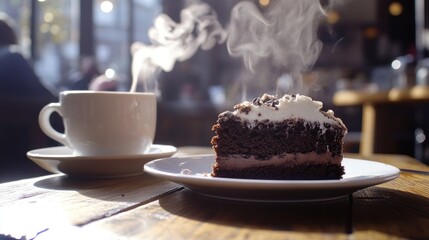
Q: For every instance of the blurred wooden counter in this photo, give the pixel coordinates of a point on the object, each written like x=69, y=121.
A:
x=376, y=119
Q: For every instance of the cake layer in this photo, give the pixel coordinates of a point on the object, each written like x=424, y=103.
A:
x=236, y=161
x=268, y=139
x=275, y=172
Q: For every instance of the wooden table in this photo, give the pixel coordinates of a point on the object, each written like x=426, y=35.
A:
x=145, y=207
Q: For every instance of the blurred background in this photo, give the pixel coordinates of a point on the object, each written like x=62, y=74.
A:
x=373, y=72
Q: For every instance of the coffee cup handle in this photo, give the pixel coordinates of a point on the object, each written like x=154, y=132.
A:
x=46, y=126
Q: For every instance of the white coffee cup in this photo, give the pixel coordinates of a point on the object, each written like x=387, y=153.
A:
x=103, y=123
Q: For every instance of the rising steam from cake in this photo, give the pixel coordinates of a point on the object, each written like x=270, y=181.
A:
x=282, y=37
x=171, y=41
x=277, y=43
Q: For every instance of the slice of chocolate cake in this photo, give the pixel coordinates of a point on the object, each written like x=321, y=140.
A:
x=279, y=138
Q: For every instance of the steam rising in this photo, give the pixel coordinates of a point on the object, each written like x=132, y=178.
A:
x=173, y=41
x=283, y=35
x=277, y=42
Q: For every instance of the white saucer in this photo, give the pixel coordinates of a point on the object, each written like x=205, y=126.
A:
x=61, y=160
x=194, y=173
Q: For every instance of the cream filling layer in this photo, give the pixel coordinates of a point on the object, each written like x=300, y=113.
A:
x=237, y=161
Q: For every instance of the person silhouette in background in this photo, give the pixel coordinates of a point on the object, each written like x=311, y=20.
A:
x=17, y=77
x=87, y=73
x=89, y=77
x=22, y=96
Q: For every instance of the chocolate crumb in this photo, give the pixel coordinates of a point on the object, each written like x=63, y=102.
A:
x=259, y=114
x=245, y=110
x=256, y=101
x=266, y=100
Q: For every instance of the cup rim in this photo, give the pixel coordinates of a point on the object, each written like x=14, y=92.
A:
x=92, y=92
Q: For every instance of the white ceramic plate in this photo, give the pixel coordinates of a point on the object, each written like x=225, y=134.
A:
x=62, y=160
x=193, y=173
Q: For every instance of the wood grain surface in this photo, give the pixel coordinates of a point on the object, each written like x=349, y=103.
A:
x=59, y=200
x=145, y=207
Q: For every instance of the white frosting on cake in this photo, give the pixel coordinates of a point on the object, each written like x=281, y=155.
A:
x=288, y=107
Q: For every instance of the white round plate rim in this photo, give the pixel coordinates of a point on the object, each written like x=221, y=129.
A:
x=65, y=153
x=198, y=180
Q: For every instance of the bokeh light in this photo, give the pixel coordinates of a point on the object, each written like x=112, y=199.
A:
x=395, y=9
x=264, y=3
x=106, y=6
